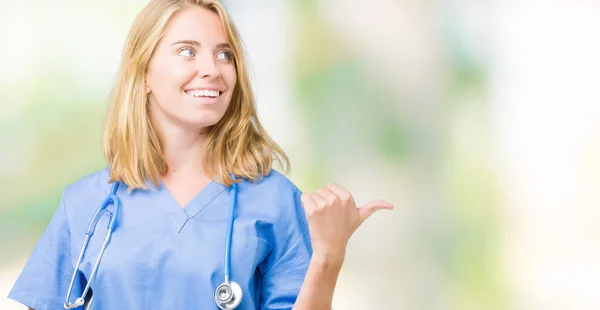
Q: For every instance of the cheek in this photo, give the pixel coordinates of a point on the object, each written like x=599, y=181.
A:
x=229, y=75
x=168, y=76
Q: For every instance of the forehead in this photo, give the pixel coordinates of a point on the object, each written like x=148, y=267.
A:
x=195, y=23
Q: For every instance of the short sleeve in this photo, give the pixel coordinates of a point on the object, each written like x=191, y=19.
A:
x=44, y=281
x=283, y=271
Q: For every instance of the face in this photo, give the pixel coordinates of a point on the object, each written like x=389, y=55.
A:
x=191, y=75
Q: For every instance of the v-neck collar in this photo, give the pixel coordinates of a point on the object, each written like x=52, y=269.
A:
x=178, y=215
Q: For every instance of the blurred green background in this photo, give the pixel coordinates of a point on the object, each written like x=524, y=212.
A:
x=479, y=120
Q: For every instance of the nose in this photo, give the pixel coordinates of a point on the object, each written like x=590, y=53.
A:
x=207, y=67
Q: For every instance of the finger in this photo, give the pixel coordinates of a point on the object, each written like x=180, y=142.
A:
x=366, y=210
x=307, y=202
x=320, y=201
x=327, y=194
x=339, y=191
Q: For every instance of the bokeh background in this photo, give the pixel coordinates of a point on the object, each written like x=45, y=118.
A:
x=479, y=120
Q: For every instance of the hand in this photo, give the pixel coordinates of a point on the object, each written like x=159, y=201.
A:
x=333, y=217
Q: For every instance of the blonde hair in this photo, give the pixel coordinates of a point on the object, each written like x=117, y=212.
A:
x=237, y=144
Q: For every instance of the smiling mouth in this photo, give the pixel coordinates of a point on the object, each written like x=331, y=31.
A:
x=203, y=93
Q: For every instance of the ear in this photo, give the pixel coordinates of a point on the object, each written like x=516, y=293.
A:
x=146, y=86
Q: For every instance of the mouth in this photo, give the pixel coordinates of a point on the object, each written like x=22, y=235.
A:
x=204, y=93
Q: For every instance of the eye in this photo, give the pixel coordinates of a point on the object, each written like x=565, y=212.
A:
x=186, y=52
x=225, y=55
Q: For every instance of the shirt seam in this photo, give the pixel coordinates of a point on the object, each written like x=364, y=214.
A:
x=63, y=202
x=301, y=237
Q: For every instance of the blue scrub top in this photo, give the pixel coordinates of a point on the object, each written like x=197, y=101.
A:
x=162, y=256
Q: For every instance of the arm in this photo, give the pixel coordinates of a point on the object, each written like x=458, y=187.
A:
x=319, y=284
x=332, y=218
x=44, y=280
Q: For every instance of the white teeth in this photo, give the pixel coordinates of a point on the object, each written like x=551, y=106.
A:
x=203, y=93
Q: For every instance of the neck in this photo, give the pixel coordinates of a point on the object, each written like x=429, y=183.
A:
x=183, y=152
x=183, y=147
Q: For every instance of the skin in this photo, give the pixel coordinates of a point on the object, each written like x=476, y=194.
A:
x=181, y=119
x=175, y=67
x=332, y=219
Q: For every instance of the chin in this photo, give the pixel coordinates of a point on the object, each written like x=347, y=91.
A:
x=202, y=122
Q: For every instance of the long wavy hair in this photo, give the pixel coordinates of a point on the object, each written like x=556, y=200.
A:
x=238, y=144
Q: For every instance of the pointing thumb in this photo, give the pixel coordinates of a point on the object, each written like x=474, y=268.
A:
x=365, y=211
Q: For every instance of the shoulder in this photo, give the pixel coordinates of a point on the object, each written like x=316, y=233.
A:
x=96, y=181
x=274, y=199
x=271, y=186
x=86, y=192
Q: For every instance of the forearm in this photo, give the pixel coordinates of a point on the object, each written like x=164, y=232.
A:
x=319, y=284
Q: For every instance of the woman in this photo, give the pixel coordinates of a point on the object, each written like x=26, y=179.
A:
x=184, y=142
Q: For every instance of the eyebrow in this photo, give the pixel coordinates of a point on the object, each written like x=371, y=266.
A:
x=196, y=43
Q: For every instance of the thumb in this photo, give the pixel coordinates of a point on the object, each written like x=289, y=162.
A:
x=365, y=211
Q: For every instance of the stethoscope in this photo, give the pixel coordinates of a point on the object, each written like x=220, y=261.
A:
x=228, y=294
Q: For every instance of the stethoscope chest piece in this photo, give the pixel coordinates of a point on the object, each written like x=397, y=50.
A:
x=228, y=295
